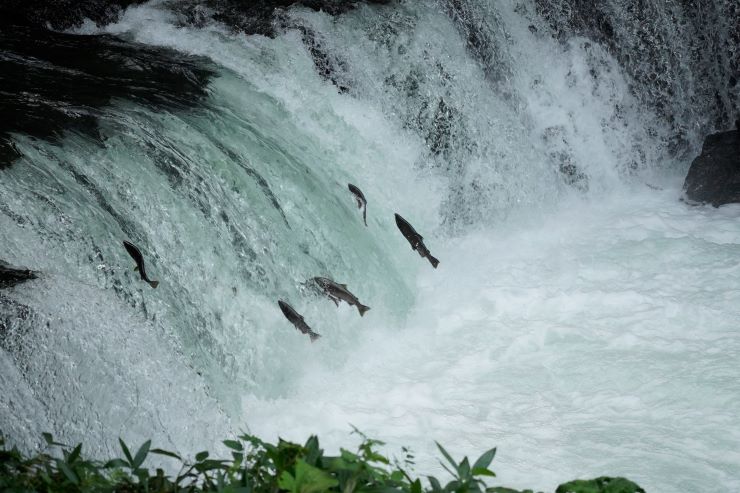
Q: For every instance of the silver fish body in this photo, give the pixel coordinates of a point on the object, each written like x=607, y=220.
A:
x=361, y=200
x=415, y=240
x=297, y=320
x=339, y=292
x=135, y=253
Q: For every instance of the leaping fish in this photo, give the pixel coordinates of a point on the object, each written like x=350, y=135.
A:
x=415, y=239
x=361, y=201
x=139, y=259
x=337, y=292
x=297, y=320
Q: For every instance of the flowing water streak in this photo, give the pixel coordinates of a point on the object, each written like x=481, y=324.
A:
x=579, y=320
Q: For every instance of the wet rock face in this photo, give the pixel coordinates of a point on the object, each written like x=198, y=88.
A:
x=256, y=16
x=661, y=46
x=714, y=176
x=61, y=14
x=250, y=16
x=54, y=82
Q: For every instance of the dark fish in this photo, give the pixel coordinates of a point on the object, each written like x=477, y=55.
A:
x=415, y=239
x=297, y=320
x=361, y=201
x=336, y=292
x=139, y=259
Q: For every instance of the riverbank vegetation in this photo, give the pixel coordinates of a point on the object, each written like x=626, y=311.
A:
x=256, y=466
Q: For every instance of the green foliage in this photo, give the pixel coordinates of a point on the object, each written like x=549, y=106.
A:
x=256, y=466
x=600, y=485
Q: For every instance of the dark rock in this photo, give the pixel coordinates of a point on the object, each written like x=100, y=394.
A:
x=479, y=29
x=10, y=276
x=249, y=16
x=256, y=16
x=600, y=485
x=61, y=14
x=714, y=176
x=658, y=47
x=53, y=82
x=329, y=67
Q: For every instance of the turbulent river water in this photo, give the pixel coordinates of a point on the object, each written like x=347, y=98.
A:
x=583, y=319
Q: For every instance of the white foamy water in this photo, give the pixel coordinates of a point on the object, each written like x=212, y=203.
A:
x=601, y=338
x=581, y=321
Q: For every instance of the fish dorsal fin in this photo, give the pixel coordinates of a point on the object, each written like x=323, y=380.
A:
x=136, y=269
x=344, y=286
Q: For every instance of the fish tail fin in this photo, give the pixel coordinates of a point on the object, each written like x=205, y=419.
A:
x=313, y=336
x=433, y=260
x=362, y=309
x=364, y=215
x=153, y=284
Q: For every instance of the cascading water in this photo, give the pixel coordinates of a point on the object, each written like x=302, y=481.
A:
x=580, y=320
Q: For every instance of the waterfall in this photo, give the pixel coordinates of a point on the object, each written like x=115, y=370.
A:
x=579, y=319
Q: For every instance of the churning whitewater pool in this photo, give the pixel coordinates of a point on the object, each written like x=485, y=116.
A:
x=601, y=337
x=583, y=319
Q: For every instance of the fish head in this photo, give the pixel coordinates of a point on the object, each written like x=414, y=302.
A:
x=284, y=307
x=322, y=282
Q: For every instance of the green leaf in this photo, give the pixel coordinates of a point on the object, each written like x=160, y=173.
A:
x=201, y=456
x=115, y=463
x=210, y=465
x=313, y=452
x=501, y=489
x=50, y=440
x=416, y=486
x=348, y=456
x=234, y=445
x=68, y=472
x=376, y=457
x=436, y=487
x=485, y=460
x=446, y=455
x=307, y=479
x=126, y=452
x=453, y=486
x=287, y=482
x=45, y=478
x=482, y=471
x=74, y=455
x=143, y=475
x=463, y=470
x=166, y=453
x=141, y=455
